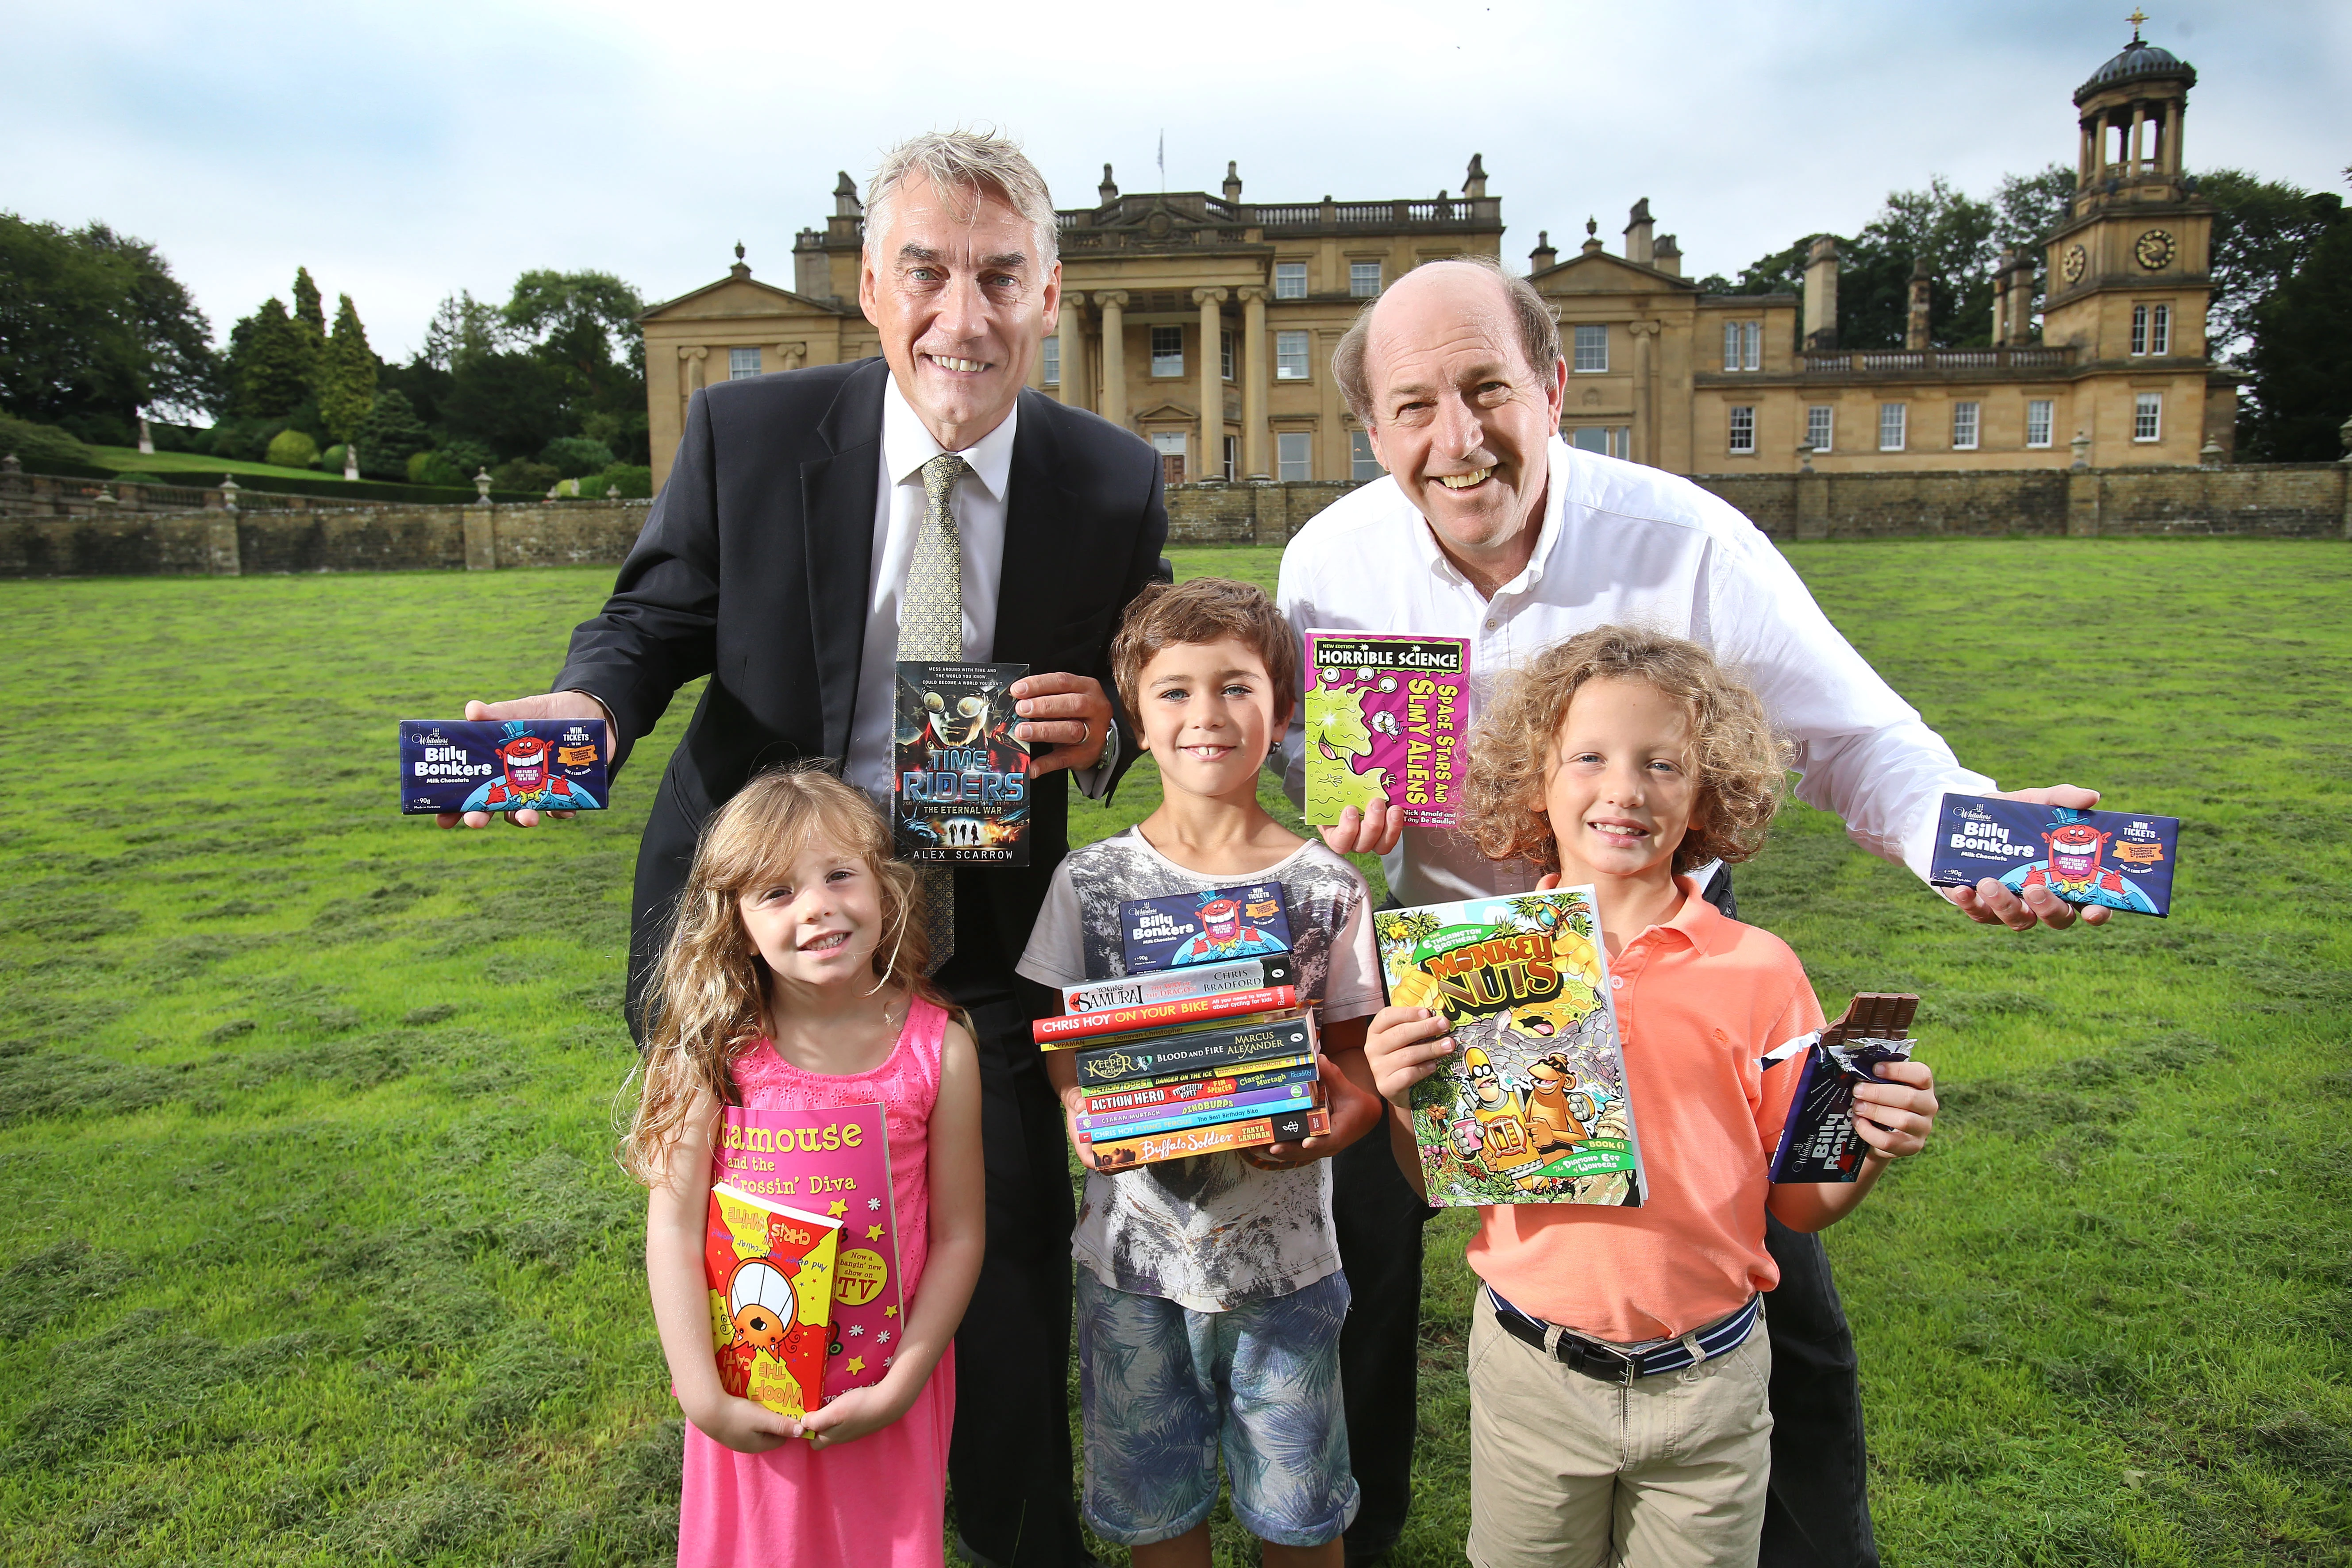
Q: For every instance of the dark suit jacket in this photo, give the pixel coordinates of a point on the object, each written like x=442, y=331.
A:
x=752, y=569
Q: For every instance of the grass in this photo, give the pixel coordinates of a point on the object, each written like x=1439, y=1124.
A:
x=132, y=460
x=314, y=1253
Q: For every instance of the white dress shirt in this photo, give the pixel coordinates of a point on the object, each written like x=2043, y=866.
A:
x=1625, y=544
x=899, y=505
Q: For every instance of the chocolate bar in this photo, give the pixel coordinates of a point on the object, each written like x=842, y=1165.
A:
x=1818, y=1143
x=2114, y=859
x=501, y=764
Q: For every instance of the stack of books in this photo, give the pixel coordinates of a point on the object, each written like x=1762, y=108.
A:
x=1198, y=1060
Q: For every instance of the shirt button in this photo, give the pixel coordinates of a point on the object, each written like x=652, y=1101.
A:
x=1491, y=624
x=1616, y=982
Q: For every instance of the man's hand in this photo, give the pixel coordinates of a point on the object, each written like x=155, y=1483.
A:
x=554, y=705
x=1072, y=716
x=1989, y=903
x=1372, y=832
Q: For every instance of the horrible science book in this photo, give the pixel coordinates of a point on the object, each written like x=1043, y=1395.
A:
x=1218, y=926
x=834, y=1162
x=2114, y=858
x=1386, y=715
x=1533, y=1109
x=960, y=781
x=501, y=764
x=770, y=1270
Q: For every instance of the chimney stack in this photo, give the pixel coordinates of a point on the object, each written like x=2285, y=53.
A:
x=1668, y=257
x=844, y=197
x=1638, y=247
x=1232, y=181
x=1473, y=183
x=2020, y=300
x=1821, y=293
x=1109, y=189
x=1543, y=255
x=1914, y=332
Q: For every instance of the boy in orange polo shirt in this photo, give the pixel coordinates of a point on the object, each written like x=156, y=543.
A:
x=1618, y=1409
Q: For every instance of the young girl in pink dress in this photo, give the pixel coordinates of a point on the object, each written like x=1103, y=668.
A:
x=794, y=980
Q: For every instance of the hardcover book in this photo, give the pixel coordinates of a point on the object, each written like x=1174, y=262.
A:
x=960, y=782
x=1210, y=1053
x=1224, y=1137
x=1258, y=973
x=1818, y=1143
x=770, y=1270
x=1127, y=1097
x=1072, y=1029
x=1213, y=927
x=2116, y=859
x=501, y=764
x=1236, y=1107
x=1386, y=716
x=835, y=1163
x=1533, y=1109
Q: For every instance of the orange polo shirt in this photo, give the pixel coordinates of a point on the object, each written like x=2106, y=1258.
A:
x=1699, y=999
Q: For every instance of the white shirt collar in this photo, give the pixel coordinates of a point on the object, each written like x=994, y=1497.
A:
x=1434, y=557
x=906, y=444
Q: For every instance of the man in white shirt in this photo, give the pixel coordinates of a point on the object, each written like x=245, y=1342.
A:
x=1492, y=527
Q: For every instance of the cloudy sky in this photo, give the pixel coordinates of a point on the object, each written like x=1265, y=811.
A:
x=404, y=152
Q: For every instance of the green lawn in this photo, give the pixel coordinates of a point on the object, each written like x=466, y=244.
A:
x=317, y=1252
x=132, y=460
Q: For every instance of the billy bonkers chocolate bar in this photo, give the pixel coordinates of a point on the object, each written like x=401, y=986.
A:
x=2117, y=859
x=501, y=764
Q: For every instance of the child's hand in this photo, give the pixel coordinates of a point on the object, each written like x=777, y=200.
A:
x=1074, y=1105
x=852, y=1416
x=746, y=1427
x=1404, y=1046
x=1354, y=1112
x=1894, y=1115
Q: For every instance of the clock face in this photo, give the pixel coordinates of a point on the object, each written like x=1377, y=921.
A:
x=2154, y=249
x=2077, y=259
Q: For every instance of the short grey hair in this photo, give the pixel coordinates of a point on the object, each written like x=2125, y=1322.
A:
x=1539, y=332
x=968, y=164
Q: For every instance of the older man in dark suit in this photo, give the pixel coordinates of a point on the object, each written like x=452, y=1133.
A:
x=777, y=562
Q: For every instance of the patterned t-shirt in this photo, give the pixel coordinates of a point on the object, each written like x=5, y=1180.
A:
x=1212, y=1232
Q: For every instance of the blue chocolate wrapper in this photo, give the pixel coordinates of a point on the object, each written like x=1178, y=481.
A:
x=2116, y=859
x=501, y=764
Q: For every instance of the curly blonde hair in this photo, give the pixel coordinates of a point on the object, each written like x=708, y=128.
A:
x=704, y=1009
x=1740, y=764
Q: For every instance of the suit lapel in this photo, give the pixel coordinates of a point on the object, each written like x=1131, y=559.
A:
x=1029, y=586
x=837, y=499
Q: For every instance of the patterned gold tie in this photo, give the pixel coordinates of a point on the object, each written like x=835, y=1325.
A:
x=930, y=625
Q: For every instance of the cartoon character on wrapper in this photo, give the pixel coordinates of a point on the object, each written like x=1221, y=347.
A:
x=526, y=780
x=1224, y=934
x=2074, y=871
x=761, y=1318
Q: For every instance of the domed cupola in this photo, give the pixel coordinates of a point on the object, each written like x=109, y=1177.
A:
x=2131, y=113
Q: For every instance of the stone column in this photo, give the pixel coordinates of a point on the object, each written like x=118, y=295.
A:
x=2138, y=149
x=1255, y=458
x=1212, y=385
x=1645, y=403
x=1114, y=336
x=1073, y=334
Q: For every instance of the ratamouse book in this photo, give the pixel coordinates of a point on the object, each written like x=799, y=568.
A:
x=1533, y=1109
x=770, y=1272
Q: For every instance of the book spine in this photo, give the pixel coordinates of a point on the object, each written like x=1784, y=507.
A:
x=1196, y=1114
x=1072, y=1028
x=1211, y=1054
x=1300, y=1069
x=1223, y=1137
x=1181, y=985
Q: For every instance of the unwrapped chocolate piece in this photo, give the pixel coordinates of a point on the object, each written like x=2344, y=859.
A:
x=501, y=764
x=1818, y=1143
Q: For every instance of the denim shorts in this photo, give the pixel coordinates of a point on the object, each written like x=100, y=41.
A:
x=1163, y=1386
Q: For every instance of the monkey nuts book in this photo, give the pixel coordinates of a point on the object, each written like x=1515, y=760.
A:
x=1533, y=1109
x=770, y=1270
x=1386, y=714
x=836, y=1164
x=960, y=781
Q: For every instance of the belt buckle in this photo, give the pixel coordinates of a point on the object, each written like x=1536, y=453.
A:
x=1626, y=1368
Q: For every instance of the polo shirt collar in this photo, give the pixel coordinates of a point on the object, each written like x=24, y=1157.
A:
x=1434, y=557
x=906, y=444
x=1698, y=924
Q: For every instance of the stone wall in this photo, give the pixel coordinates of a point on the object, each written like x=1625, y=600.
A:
x=1223, y=513
x=359, y=539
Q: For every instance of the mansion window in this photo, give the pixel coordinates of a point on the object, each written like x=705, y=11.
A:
x=1743, y=427
x=2148, y=416
x=1225, y=354
x=1609, y=440
x=1167, y=351
x=1361, y=463
x=1290, y=280
x=1964, y=427
x=741, y=362
x=1052, y=372
x=2038, y=421
x=1169, y=444
x=1363, y=279
x=1293, y=455
x=1232, y=457
x=1819, y=425
x=1891, y=418
x=1290, y=356
x=2151, y=331
x=1591, y=348
x=1743, y=345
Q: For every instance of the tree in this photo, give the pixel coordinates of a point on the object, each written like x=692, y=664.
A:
x=273, y=363
x=2302, y=357
x=2263, y=233
x=346, y=380
x=309, y=309
x=389, y=437
x=92, y=327
x=512, y=402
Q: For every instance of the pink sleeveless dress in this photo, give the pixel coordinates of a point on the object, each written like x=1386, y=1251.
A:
x=882, y=1499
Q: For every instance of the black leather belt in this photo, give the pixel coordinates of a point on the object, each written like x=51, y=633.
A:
x=1605, y=1363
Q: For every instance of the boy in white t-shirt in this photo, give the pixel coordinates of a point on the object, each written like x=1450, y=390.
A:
x=1209, y=1296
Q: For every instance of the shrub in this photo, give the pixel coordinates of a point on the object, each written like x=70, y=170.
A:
x=330, y=461
x=240, y=439
x=389, y=435
x=521, y=474
x=633, y=481
x=33, y=444
x=292, y=449
x=433, y=469
x=572, y=455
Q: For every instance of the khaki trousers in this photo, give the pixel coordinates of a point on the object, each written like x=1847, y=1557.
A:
x=1570, y=1472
